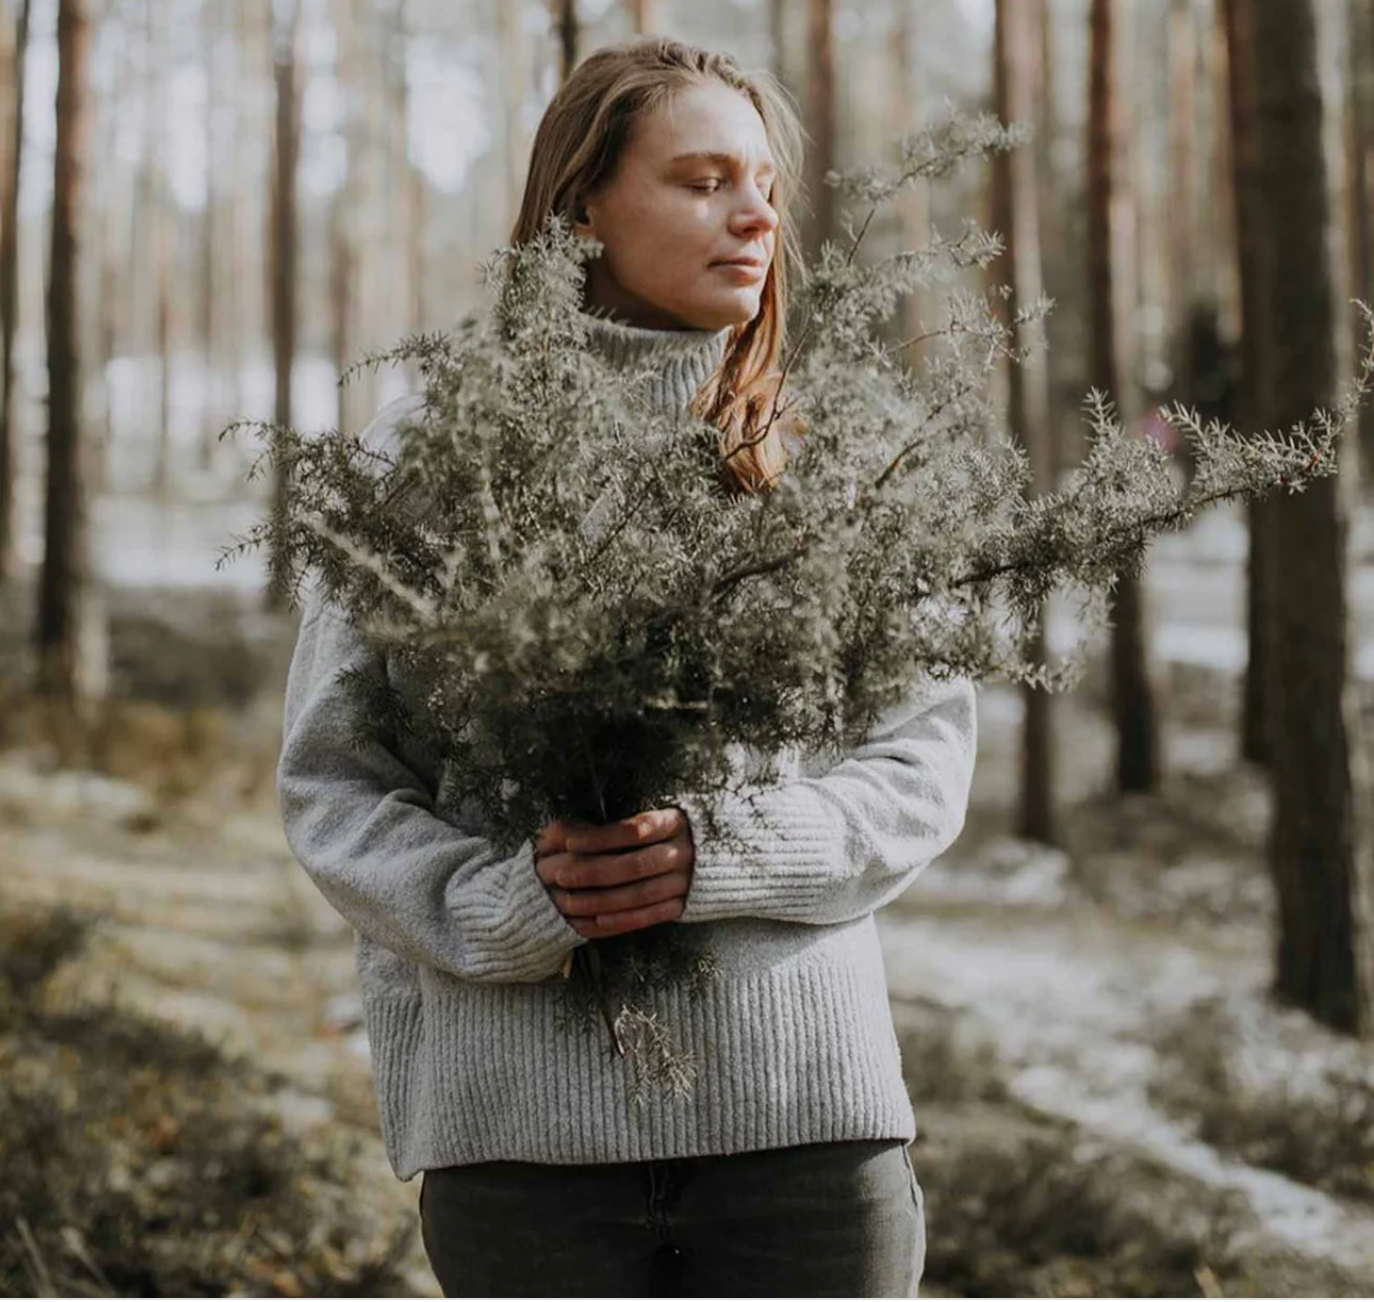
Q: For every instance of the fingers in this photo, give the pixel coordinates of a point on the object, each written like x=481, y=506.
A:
x=643, y=829
x=654, y=890
x=621, y=877
x=552, y=839
x=576, y=872
x=613, y=924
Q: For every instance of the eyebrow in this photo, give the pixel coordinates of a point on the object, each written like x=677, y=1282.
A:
x=709, y=156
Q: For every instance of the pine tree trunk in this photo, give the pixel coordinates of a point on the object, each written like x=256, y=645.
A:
x=1320, y=848
x=1252, y=403
x=515, y=85
x=777, y=39
x=411, y=181
x=1226, y=267
x=822, y=124
x=644, y=16
x=70, y=665
x=1016, y=204
x=1133, y=695
x=243, y=279
x=9, y=289
x=344, y=215
x=209, y=239
x=913, y=203
x=284, y=239
x=158, y=234
x=569, y=36
x=1360, y=18
x=1046, y=120
x=1182, y=261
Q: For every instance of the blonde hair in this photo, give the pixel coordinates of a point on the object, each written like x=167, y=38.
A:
x=579, y=143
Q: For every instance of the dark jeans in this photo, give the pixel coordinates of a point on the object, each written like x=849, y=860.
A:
x=819, y=1220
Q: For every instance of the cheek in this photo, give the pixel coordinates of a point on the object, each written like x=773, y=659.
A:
x=664, y=239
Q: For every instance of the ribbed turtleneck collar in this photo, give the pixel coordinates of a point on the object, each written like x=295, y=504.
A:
x=685, y=358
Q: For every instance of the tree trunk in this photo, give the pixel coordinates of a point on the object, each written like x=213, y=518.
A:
x=777, y=39
x=284, y=263
x=913, y=203
x=1226, y=267
x=70, y=664
x=1182, y=263
x=209, y=239
x=644, y=16
x=821, y=103
x=1016, y=203
x=9, y=291
x=1251, y=401
x=1360, y=17
x=159, y=235
x=1320, y=851
x=345, y=214
x=1133, y=693
x=1046, y=121
x=413, y=185
x=569, y=36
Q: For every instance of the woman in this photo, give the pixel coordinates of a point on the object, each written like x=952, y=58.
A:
x=786, y=1171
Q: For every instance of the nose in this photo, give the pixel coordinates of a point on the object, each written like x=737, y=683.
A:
x=755, y=215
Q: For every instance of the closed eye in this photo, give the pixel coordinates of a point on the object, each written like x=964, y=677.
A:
x=706, y=187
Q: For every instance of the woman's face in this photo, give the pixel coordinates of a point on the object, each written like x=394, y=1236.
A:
x=691, y=192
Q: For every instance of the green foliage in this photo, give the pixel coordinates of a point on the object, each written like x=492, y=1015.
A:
x=582, y=621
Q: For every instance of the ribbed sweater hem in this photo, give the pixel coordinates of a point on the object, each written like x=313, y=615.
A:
x=471, y=1072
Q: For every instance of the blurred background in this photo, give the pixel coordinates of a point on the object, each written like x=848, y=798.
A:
x=1134, y=1001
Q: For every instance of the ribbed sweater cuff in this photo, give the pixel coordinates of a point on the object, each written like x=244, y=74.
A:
x=547, y=938
x=791, y=862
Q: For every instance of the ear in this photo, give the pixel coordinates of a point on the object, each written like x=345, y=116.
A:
x=581, y=219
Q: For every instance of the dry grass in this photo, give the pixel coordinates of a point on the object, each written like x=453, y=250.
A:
x=141, y=1161
x=1310, y=1116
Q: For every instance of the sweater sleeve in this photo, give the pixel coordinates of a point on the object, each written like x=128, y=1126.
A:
x=830, y=849
x=362, y=825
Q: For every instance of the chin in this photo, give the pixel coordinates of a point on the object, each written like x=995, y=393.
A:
x=724, y=312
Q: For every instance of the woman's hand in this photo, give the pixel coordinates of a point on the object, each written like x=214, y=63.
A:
x=620, y=877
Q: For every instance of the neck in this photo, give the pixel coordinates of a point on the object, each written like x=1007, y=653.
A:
x=682, y=360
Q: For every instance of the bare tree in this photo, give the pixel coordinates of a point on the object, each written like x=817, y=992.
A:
x=160, y=228
x=70, y=666
x=1360, y=47
x=416, y=204
x=1182, y=224
x=1321, y=851
x=777, y=38
x=13, y=126
x=1015, y=206
x=345, y=210
x=1133, y=695
x=569, y=35
x=287, y=137
x=913, y=203
x=821, y=112
x=1252, y=403
x=644, y=16
x=210, y=32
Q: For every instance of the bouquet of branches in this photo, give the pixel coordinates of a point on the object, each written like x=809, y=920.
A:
x=581, y=622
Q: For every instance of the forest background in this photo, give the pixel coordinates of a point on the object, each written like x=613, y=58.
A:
x=1131, y=1000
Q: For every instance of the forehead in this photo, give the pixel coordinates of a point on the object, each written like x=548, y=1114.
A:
x=706, y=119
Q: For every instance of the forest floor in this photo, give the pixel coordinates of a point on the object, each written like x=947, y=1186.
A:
x=1108, y=1102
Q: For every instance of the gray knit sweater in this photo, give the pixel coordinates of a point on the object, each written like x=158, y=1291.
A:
x=460, y=951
